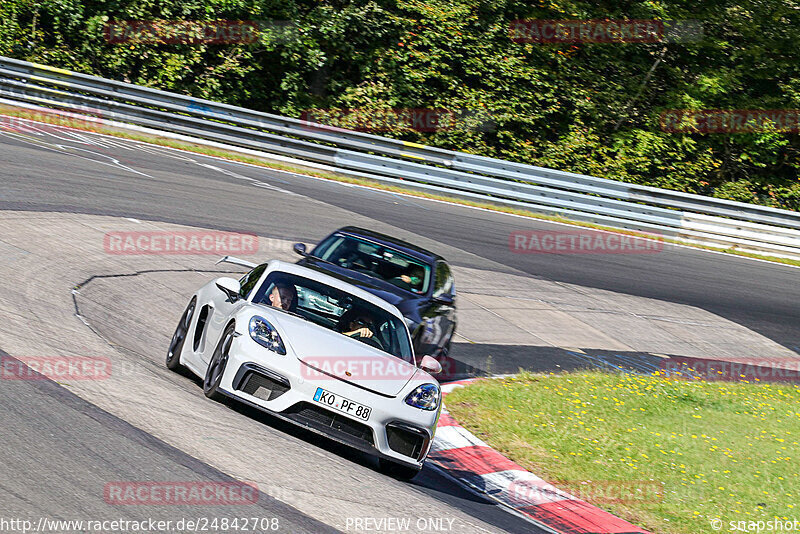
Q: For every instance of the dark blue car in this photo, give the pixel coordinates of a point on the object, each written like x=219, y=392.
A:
x=415, y=280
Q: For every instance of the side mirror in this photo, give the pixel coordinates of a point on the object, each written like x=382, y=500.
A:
x=229, y=286
x=431, y=365
x=300, y=248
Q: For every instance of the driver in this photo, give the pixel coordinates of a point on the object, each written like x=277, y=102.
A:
x=361, y=326
x=412, y=279
x=283, y=296
x=347, y=253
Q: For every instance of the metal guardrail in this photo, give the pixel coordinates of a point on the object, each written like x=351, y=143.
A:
x=575, y=196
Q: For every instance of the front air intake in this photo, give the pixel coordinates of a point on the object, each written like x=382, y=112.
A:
x=321, y=418
x=260, y=385
x=407, y=440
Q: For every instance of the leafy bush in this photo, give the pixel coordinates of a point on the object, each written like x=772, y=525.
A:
x=590, y=108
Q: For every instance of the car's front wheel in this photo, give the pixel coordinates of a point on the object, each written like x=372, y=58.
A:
x=396, y=470
x=216, y=367
x=179, y=337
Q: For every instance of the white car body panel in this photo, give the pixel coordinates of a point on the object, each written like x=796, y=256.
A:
x=309, y=347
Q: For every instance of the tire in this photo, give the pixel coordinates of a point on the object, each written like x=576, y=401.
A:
x=216, y=367
x=396, y=470
x=173, y=361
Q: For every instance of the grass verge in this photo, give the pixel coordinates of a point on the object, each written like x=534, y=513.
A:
x=715, y=450
x=59, y=120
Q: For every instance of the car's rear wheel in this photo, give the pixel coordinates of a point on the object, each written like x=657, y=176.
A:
x=396, y=470
x=179, y=337
x=216, y=367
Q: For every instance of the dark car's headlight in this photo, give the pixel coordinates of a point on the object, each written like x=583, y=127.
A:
x=265, y=335
x=425, y=397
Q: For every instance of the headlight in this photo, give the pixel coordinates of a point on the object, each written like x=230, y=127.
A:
x=425, y=397
x=265, y=335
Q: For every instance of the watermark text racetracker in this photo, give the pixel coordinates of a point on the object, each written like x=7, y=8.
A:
x=541, y=31
x=596, y=491
x=41, y=121
x=752, y=370
x=372, y=368
x=179, y=242
x=396, y=119
x=355, y=368
x=108, y=526
x=180, y=493
x=58, y=368
x=730, y=121
x=200, y=32
x=66, y=368
x=581, y=242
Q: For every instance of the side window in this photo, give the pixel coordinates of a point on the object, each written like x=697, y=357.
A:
x=324, y=249
x=444, y=281
x=249, y=280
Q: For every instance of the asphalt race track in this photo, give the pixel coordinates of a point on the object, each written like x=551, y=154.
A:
x=175, y=188
x=50, y=434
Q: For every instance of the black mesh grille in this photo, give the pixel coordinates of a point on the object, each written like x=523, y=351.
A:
x=261, y=386
x=303, y=411
x=405, y=442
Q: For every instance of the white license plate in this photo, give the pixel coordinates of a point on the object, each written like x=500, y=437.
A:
x=337, y=402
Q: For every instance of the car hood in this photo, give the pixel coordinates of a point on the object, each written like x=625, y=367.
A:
x=328, y=355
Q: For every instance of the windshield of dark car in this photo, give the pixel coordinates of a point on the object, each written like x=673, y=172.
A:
x=377, y=261
x=337, y=310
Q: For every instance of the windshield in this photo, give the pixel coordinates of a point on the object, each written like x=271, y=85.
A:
x=336, y=310
x=377, y=261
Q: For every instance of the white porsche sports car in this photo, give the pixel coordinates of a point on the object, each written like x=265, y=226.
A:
x=315, y=350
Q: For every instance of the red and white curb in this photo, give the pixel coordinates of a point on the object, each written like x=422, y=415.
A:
x=476, y=465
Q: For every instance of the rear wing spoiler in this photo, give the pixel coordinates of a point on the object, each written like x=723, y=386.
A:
x=237, y=261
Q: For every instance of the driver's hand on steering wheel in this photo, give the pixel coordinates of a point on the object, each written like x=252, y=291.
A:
x=361, y=332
